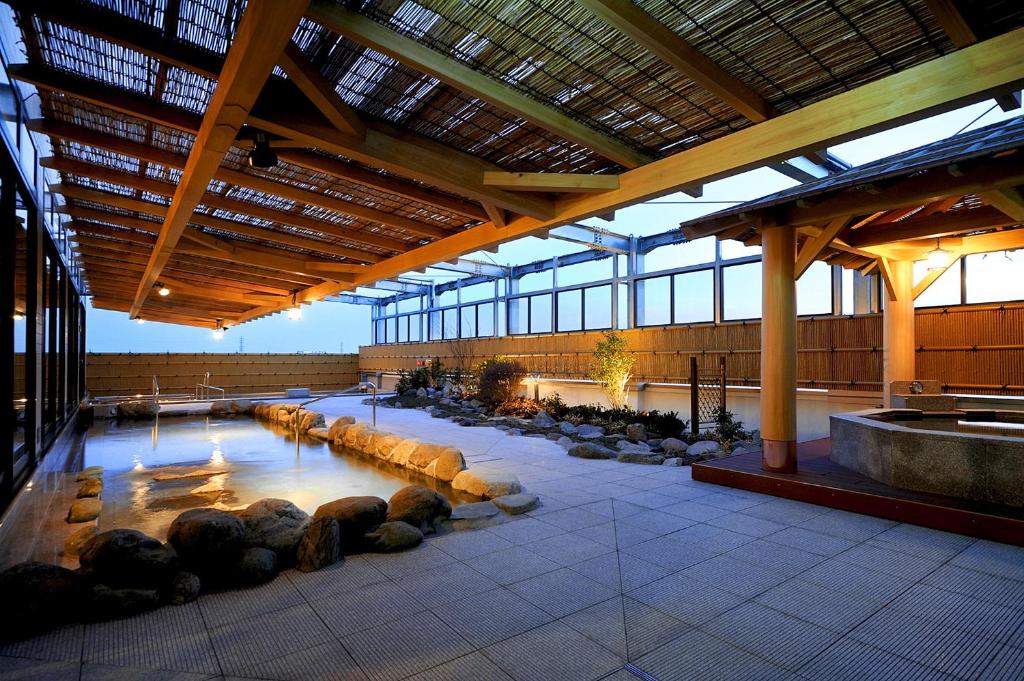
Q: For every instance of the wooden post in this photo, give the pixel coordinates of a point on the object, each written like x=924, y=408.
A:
x=694, y=398
x=778, y=349
x=898, y=361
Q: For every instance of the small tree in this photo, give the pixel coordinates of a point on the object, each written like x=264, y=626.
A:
x=612, y=367
x=500, y=380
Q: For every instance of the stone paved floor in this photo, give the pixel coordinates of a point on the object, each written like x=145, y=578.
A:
x=623, y=566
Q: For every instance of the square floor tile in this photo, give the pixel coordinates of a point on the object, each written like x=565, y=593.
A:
x=678, y=596
x=562, y=592
x=819, y=605
x=778, y=558
x=985, y=587
x=1007, y=665
x=746, y=524
x=656, y=522
x=370, y=606
x=849, y=660
x=923, y=541
x=960, y=612
x=553, y=651
x=669, y=553
x=491, y=616
x=243, y=647
x=883, y=559
x=525, y=530
x=856, y=581
x=231, y=606
x=845, y=525
x=568, y=549
x=24, y=669
x=472, y=666
x=326, y=662
x=445, y=584
x=570, y=519
x=696, y=655
x=405, y=647
x=351, y=573
x=402, y=563
x=512, y=565
x=620, y=571
x=469, y=544
x=993, y=558
x=783, y=640
x=734, y=576
x=64, y=643
x=811, y=541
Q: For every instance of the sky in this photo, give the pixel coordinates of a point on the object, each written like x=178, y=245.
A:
x=340, y=327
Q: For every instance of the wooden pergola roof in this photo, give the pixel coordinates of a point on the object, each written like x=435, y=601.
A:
x=409, y=133
x=965, y=193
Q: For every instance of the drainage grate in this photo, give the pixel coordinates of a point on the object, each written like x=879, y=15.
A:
x=636, y=671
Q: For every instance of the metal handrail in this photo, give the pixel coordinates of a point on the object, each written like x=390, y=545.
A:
x=340, y=393
x=203, y=389
x=156, y=389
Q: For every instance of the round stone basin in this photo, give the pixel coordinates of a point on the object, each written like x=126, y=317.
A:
x=976, y=455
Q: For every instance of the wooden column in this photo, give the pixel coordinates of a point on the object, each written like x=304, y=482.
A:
x=778, y=349
x=898, y=325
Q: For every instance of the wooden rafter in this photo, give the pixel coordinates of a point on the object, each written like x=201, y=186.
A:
x=369, y=33
x=970, y=74
x=664, y=43
x=942, y=224
x=1007, y=200
x=933, y=275
x=814, y=246
x=962, y=35
x=262, y=34
x=278, y=112
x=570, y=183
x=319, y=92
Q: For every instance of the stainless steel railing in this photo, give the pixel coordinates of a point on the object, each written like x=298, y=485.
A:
x=203, y=389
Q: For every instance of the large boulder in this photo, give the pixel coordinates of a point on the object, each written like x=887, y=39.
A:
x=37, y=597
x=90, y=488
x=275, y=524
x=128, y=559
x=184, y=588
x=487, y=483
x=627, y=446
x=568, y=428
x=77, y=539
x=393, y=536
x=90, y=472
x=254, y=566
x=590, y=450
x=637, y=456
x=636, y=432
x=84, y=510
x=516, y=504
x=320, y=545
x=543, y=420
x=335, y=431
x=674, y=446
x=309, y=419
x=354, y=433
x=424, y=455
x=137, y=409
x=403, y=450
x=385, y=444
x=419, y=506
x=356, y=516
x=106, y=603
x=589, y=431
x=703, y=448
x=448, y=464
x=207, y=539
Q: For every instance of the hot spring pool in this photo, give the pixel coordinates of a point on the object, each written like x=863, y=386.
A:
x=154, y=470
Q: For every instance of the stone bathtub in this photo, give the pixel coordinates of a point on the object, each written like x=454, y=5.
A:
x=976, y=455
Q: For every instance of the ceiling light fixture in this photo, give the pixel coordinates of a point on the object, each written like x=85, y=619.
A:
x=218, y=333
x=938, y=259
x=18, y=315
x=140, y=320
x=262, y=155
x=164, y=291
x=295, y=311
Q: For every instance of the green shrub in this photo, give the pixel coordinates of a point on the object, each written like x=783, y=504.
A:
x=727, y=428
x=499, y=380
x=429, y=376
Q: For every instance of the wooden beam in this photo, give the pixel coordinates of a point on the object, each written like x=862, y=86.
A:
x=497, y=215
x=262, y=34
x=665, y=44
x=932, y=275
x=962, y=35
x=885, y=269
x=570, y=183
x=941, y=224
x=305, y=76
x=1008, y=200
x=814, y=246
x=369, y=33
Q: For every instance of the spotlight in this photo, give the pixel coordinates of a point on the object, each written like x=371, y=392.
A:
x=18, y=316
x=939, y=258
x=218, y=334
x=139, y=320
x=262, y=156
x=164, y=291
x=295, y=313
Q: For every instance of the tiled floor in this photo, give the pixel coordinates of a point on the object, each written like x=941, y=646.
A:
x=624, y=570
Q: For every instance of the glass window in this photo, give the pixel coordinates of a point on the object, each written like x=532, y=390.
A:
x=847, y=292
x=502, y=320
x=570, y=310
x=379, y=336
x=737, y=249
x=741, y=291
x=814, y=290
x=653, y=307
x=20, y=246
x=469, y=322
x=994, y=277
x=540, y=314
x=409, y=304
x=477, y=292
x=694, y=297
x=435, y=326
x=403, y=329
x=597, y=307
x=680, y=255
x=450, y=297
x=585, y=272
x=519, y=315
x=623, y=311
x=944, y=291
x=414, y=327
x=392, y=330
x=485, y=319
x=537, y=281
x=451, y=323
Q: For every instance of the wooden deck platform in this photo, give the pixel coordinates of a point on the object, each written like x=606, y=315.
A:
x=820, y=481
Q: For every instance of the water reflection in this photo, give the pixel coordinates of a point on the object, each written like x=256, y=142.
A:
x=226, y=464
